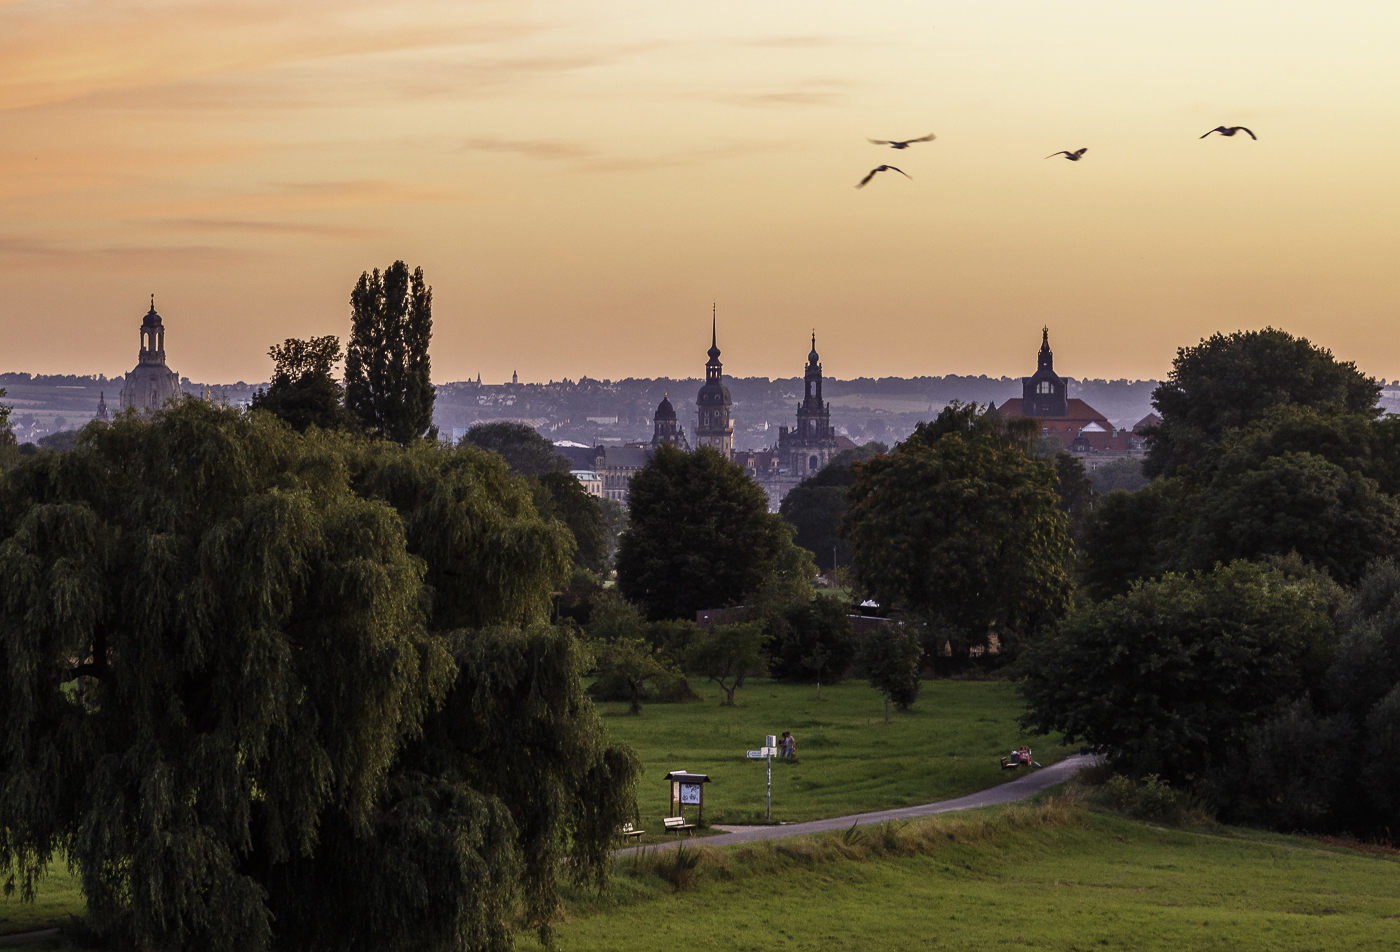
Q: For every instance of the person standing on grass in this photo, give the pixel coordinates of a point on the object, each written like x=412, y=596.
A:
x=792, y=747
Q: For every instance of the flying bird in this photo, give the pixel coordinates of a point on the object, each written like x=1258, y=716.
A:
x=1072, y=156
x=898, y=144
x=883, y=168
x=1231, y=130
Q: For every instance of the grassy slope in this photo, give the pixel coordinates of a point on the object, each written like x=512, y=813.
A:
x=59, y=896
x=1095, y=882
x=849, y=760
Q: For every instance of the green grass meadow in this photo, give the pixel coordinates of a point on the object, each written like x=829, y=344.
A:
x=848, y=759
x=1004, y=878
x=60, y=896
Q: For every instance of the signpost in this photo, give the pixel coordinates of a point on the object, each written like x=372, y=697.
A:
x=769, y=748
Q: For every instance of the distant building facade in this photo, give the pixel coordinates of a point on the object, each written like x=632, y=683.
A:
x=151, y=383
x=805, y=450
x=667, y=427
x=715, y=429
x=1085, y=432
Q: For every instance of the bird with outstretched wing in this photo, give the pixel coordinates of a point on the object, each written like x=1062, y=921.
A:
x=883, y=168
x=1072, y=156
x=901, y=143
x=1228, y=131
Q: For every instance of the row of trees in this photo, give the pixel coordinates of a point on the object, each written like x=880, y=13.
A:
x=1236, y=631
x=387, y=390
x=1226, y=626
x=286, y=678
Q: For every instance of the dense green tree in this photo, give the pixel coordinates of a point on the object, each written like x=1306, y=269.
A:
x=1296, y=502
x=388, y=383
x=812, y=641
x=1076, y=491
x=525, y=451
x=561, y=496
x=558, y=495
x=242, y=687
x=1299, y=480
x=699, y=535
x=1125, y=474
x=727, y=654
x=1124, y=538
x=960, y=525
x=976, y=424
x=892, y=657
x=1229, y=381
x=626, y=666
x=816, y=506
x=60, y=441
x=304, y=391
x=1170, y=677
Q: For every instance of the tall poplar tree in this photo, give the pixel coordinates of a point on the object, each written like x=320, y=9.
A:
x=388, y=385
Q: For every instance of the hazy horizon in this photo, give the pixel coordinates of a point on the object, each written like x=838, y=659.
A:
x=581, y=183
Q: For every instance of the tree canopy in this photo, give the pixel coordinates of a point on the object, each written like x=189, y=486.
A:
x=250, y=674
x=816, y=506
x=1169, y=678
x=1314, y=482
x=961, y=525
x=891, y=657
x=699, y=536
x=304, y=391
x=388, y=383
x=524, y=450
x=1229, y=381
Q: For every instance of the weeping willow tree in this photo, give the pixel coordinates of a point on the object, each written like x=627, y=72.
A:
x=271, y=691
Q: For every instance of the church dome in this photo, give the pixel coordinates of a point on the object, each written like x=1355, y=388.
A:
x=664, y=410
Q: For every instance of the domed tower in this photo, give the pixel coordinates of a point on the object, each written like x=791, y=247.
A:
x=151, y=383
x=1043, y=395
x=810, y=446
x=715, y=429
x=668, y=428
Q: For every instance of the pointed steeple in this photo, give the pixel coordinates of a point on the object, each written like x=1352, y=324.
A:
x=812, y=358
x=1045, y=360
x=714, y=338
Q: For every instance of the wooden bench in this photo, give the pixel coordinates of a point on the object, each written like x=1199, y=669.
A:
x=629, y=831
x=674, y=824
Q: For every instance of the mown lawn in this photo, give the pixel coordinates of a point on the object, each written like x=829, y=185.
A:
x=1096, y=882
x=849, y=760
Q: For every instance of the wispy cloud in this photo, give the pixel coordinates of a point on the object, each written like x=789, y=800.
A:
x=243, y=226
x=297, y=196
x=53, y=52
x=552, y=150
x=19, y=254
x=814, y=92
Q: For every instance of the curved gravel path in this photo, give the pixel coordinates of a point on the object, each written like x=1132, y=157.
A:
x=1017, y=789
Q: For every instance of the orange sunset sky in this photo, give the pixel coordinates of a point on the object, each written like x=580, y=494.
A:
x=580, y=180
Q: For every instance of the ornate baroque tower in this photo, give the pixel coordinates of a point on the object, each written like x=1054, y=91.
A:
x=151, y=383
x=1043, y=396
x=668, y=428
x=811, y=445
x=715, y=429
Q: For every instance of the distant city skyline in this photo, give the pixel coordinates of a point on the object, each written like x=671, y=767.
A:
x=580, y=182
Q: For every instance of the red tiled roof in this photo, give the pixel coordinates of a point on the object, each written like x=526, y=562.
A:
x=1077, y=414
